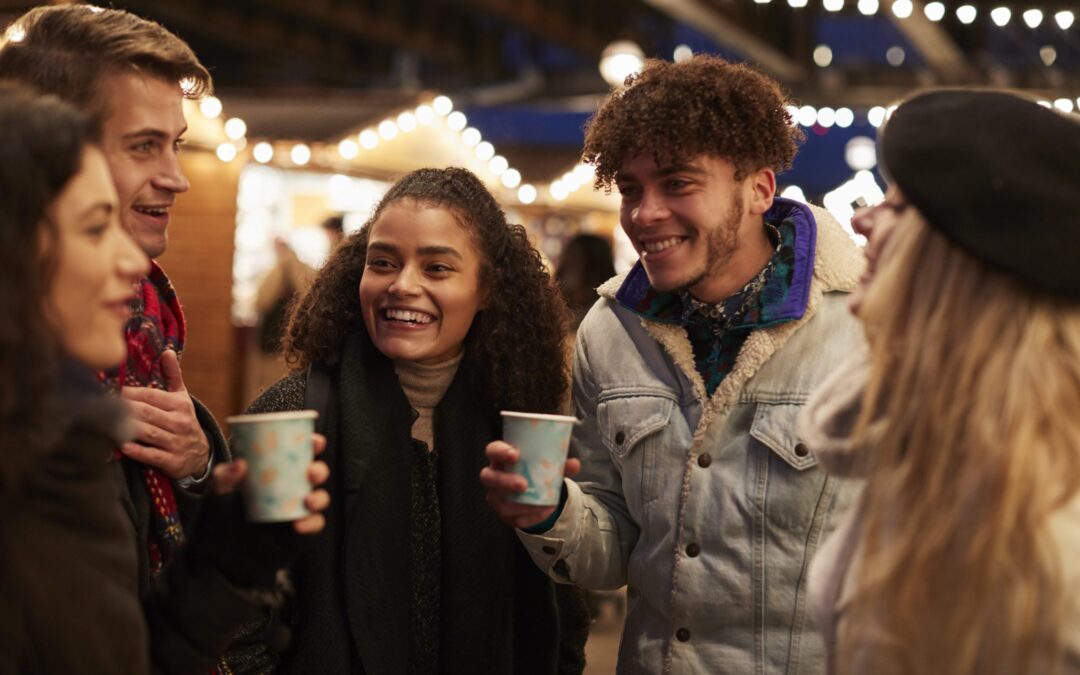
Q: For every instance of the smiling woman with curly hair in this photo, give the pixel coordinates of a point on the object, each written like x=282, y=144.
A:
x=419, y=329
x=515, y=345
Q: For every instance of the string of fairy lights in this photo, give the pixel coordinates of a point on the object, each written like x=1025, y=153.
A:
x=966, y=13
x=438, y=111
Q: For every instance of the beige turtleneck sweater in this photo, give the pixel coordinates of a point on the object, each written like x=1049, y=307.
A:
x=424, y=386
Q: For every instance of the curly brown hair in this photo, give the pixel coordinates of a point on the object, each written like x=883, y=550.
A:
x=515, y=348
x=705, y=105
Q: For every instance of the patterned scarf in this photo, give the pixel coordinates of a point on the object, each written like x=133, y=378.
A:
x=156, y=324
x=717, y=331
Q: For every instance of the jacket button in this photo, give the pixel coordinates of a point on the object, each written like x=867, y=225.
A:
x=801, y=450
x=550, y=550
x=619, y=438
x=704, y=460
x=693, y=550
x=682, y=635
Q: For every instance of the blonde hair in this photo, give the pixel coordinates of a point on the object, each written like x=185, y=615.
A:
x=971, y=418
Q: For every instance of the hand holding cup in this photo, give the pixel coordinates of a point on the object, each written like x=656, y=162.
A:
x=524, y=473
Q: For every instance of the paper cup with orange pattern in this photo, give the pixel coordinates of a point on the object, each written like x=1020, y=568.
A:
x=543, y=441
x=278, y=450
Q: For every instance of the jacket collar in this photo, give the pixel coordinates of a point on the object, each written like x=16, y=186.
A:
x=635, y=289
x=837, y=265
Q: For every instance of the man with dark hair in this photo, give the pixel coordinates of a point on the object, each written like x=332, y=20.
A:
x=689, y=372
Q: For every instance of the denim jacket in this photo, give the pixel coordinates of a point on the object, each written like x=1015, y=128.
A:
x=708, y=508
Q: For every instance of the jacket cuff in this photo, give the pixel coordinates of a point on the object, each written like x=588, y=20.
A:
x=550, y=548
x=219, y=447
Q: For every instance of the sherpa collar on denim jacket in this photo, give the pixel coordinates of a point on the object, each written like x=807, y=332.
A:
x=783, y=297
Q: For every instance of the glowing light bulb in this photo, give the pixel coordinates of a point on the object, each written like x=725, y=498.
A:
x=902, y=9
x=966, y=14
x=226, y=152
x=368, y=139
x=456, y=121
x=442, y=105
x=235, y=128
x=210, y=107
x=485, y=151
x=425, y=115
x=526, y=194
x=868, y=7
x=406, y=121
x=498, y=165
x=822, y=56
x=511, y=178
x=388, y=130
x=300, y=154
x=348, y=149
x=471, y=137
x=263, y=152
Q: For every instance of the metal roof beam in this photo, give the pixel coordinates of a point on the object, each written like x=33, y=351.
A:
x=699, y=15
x=935, y=44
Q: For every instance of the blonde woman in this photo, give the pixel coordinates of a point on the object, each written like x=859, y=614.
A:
x=963, y=555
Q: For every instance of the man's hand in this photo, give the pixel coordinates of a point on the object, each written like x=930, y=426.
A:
x=167, y=433
x=501, y=483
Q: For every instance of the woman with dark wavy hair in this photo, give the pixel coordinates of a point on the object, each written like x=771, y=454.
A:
x=419, y=329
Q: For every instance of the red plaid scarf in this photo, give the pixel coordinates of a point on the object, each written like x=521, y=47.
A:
x=156, y=324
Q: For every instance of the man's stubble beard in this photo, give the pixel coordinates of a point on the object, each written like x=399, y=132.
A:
x=721, y=245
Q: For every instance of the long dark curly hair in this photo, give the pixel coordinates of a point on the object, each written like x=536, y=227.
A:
x=515, y=348
x=705, y=105
x=42, y=141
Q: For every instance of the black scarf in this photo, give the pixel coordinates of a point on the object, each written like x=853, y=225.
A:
x=497, y=609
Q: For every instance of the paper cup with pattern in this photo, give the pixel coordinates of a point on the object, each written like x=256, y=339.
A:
x=277, y=447
x=543, y=441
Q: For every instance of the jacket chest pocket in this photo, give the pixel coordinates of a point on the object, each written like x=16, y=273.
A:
x=786, y=483
x=631, y=430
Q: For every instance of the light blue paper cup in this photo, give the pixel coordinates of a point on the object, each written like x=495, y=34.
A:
x=277, y=447
x=543, y=441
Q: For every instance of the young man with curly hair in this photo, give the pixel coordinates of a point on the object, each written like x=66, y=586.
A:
x=689, y=373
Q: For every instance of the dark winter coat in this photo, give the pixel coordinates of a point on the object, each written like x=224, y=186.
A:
x=69, y=600
x=498, y=612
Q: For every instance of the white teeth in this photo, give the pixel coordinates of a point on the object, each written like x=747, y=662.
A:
x=149, y=211
x=657, y=246
x=405, y=315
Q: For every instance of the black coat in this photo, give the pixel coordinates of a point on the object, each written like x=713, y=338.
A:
x=69, y=600
x=351, y=615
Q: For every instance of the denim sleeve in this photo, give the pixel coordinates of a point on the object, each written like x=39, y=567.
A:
x=590, y=542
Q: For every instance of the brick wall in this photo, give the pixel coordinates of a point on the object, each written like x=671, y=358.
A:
x=199, y=262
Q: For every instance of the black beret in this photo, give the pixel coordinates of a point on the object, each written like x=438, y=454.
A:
x=996, y=173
